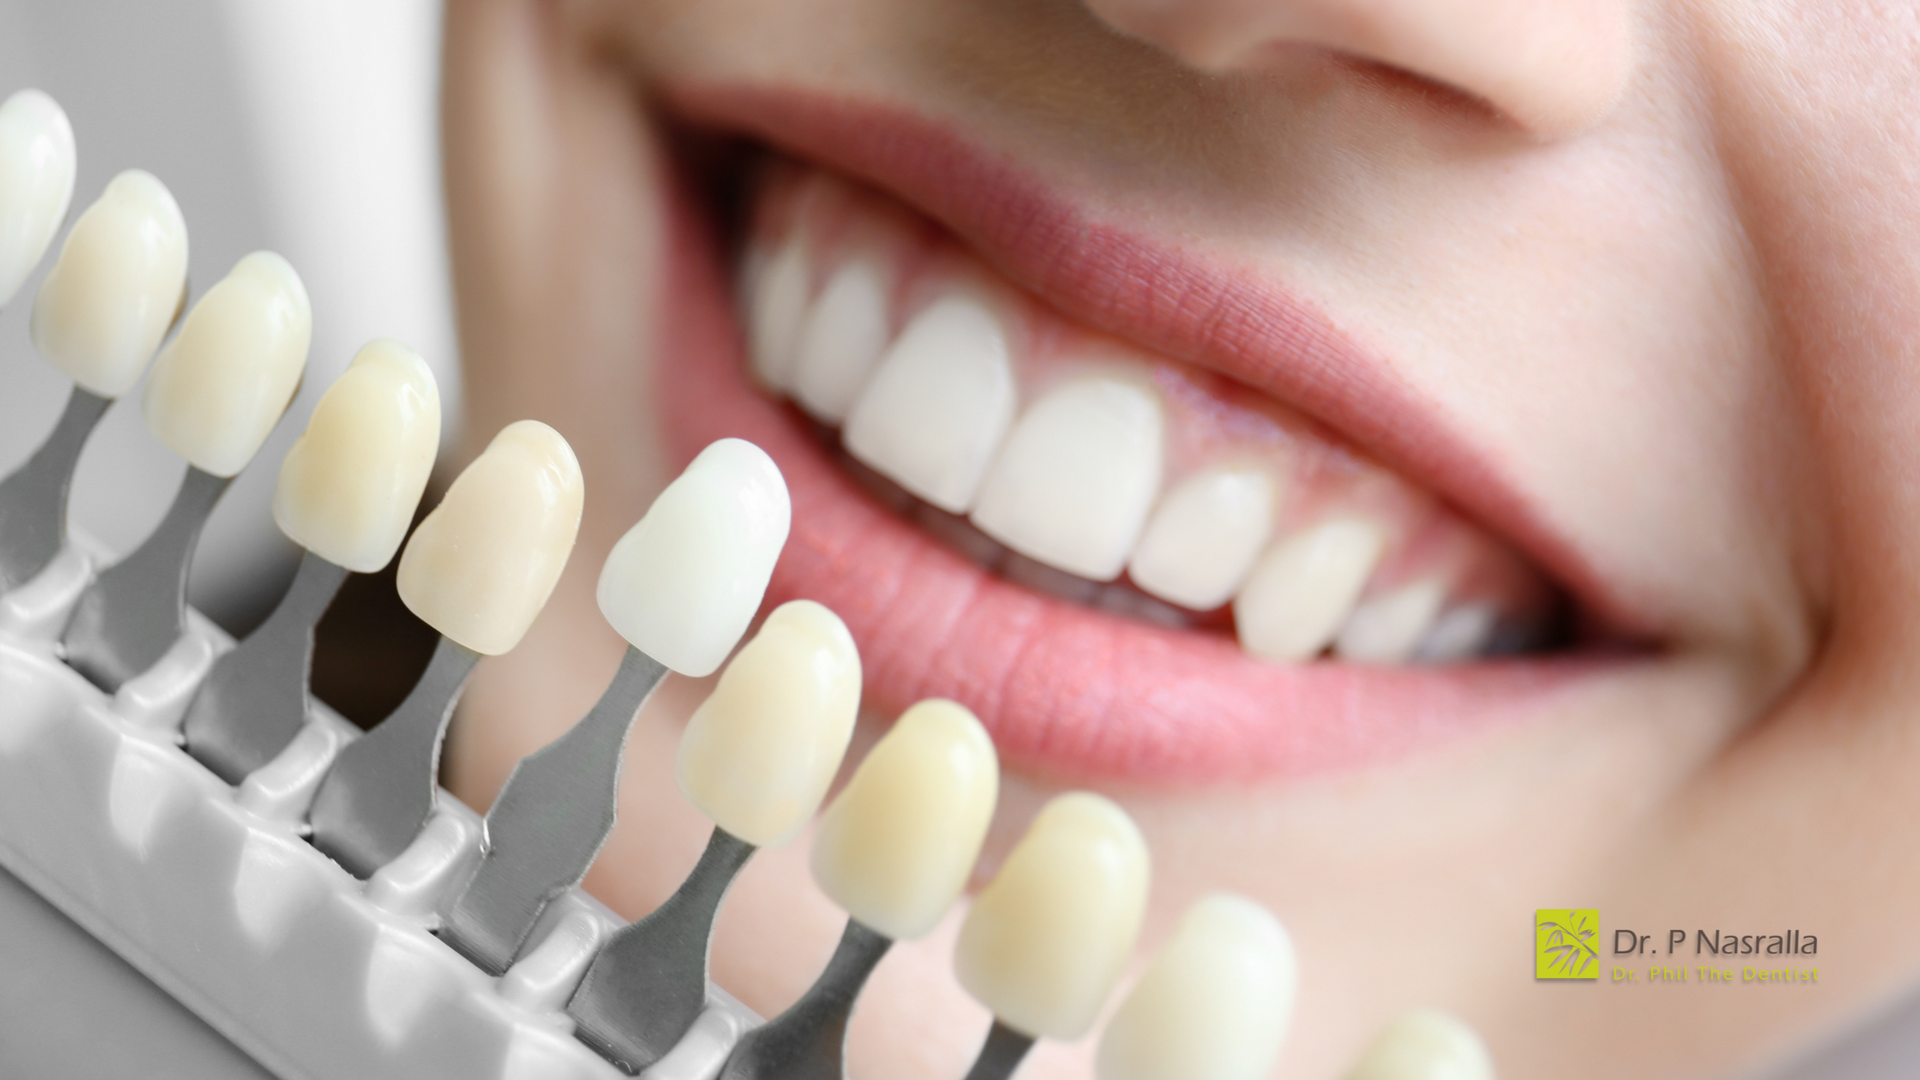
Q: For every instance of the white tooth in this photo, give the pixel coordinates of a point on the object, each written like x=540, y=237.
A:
x=1044, y=942
x=1387, y=629
x=1460, y=634
x=221, y=384
x=685, y=581
x=938, y=404
x=899, y=841
x=1425, y=1045
x=480, y=567
x=758, y=754
x=36, y=183
x=349, y=485
x=113, y=292
x=1204, y=535
x=841, y=340
x=1301, y=590
x=1214, y=1004
x=776, y=308
x=1076, y=476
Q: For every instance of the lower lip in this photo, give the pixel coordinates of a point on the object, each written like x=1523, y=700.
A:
x=1069, y=693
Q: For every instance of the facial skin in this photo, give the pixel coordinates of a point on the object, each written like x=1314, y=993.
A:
x=1654, y=267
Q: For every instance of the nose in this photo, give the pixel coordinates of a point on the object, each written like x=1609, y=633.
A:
x=1554, y=67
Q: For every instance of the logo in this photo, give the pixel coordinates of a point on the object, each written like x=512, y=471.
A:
x=1566, y=943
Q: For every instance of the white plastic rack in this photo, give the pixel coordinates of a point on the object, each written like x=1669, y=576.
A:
x=214, y=894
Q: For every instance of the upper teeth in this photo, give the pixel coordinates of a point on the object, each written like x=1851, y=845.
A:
x=936, y=408
x=1074, y=480
x=1058, y=444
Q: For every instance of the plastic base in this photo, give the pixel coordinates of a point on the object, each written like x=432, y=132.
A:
x=212, y=892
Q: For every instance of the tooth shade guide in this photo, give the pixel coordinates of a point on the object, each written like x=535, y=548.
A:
x=808, y=1040
x=255, y=700
x=685, y=581
x=36, y=183
x=115, y=287
x=646, y=988
x=897, y=844
x=1423, y=1045
x=1045, y=940
x=1214, y=1003
x=348, y=488
x=218, y=388
x=136, y=609
x=226, y=899
x=548, y=822
x=382, y=788
x=481, y=565
x=33, y=499
x=758, y=755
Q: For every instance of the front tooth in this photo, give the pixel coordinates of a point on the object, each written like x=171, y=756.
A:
x=220, y=385
x=1213, y=1005
x=349, y=485
x=939, y=403
x=1303, y=587
x=1203, y=537
x=684, y=582
x=1425, y=1045
x=1045, y=941
x=841, y=340
x=1076, y=477
x=1388, y=629
x=479, y=568
x=899, y=841
x=758, y=754
x=113, y=292
x=36, y=183
x=776, y=307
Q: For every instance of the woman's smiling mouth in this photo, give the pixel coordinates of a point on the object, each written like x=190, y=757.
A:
x=1126, y=563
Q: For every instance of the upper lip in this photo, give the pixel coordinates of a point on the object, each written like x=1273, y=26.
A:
x=1160, y=296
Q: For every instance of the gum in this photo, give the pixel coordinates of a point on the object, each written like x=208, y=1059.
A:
x=215, y=895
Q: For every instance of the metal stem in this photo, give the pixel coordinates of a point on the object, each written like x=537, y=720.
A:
x=1001, y=1054
x=809, y=1040
x=380, y=790
x=649, y=982
x=137, y=608
x=254, y=701
x=548, y=823
x=33, y=501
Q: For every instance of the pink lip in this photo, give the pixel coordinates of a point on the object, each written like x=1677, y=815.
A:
x=1067, y=691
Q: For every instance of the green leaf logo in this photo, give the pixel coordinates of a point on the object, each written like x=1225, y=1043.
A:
x=1565, y=943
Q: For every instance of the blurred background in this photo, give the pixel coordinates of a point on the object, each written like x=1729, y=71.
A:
x=309, y=128
x=306, y=128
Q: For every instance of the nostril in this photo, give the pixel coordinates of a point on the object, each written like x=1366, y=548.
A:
x=1554, y=67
